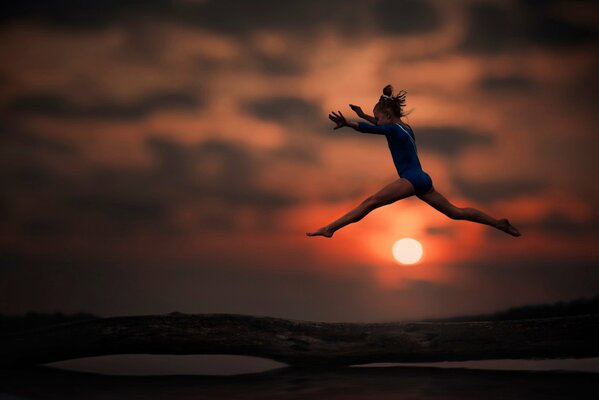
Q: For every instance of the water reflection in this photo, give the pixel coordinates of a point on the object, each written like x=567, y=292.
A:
x=300, y=383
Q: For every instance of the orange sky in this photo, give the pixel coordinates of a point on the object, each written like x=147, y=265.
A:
x=172, y=157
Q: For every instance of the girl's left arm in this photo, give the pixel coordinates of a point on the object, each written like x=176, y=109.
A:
x=340, y=120
x=362, y=114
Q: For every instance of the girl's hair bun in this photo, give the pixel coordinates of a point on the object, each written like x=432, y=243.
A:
x=388, y=90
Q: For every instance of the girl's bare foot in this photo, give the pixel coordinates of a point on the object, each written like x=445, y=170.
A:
x=325, y=231
x=505, y=226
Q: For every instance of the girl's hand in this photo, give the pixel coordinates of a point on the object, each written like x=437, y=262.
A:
x=357, y=109
x=339, y=119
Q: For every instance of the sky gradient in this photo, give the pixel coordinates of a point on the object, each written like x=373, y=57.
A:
x=170, y=156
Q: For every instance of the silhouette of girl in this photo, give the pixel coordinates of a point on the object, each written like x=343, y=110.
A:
x=413, y=180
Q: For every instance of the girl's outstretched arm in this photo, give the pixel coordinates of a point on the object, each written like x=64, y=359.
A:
x=376, y=129
x=340, y=120
x=362, y=114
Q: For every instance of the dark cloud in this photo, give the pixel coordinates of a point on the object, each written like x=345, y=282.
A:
x=119, y=200
x=520, y=83
x=255, y=60
x=493, y=28
x=235, y=17
x=449, y=140
x=288, y=60
x=406, y=17
x=292, y=111
x=57, y=105
x=240, y=17
x=4, y=206
x=543, y=25
x=582, y=90
x=120, y=209
x=234, y=181
x=21, y=154
x=488, y=29
x=440, y=230
x=129, y=199
x=107, y=198
x=296, y=152
x=529, y=279
x=28, y=175
x=487, y=192
x=557, y=223
x=279, y=65
x=40, y=227
x=83, y=14
x=15, y=139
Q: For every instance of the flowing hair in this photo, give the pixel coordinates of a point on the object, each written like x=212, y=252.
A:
x=394, y=103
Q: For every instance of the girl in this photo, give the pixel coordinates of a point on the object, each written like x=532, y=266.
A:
x=413, y=180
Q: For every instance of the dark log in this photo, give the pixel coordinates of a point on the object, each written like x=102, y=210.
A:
x=306, y=343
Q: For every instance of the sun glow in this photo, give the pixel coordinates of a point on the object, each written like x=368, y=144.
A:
x=407, y=251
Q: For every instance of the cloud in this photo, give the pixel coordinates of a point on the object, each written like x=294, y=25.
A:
x=116, y=200
x=529, y=279
x=43, y=227
x=279, y=65
x=23, y=159
x=495, y=190
x=582, y=90
x=29, y=175
x=16, y=139
x=234, y=17
x=232, y=176
x=543, y=25
x=557, y=223
x=290, y=111
x=4, y=214
x=238, y=17
x=296, y=152
x=493, y=29
x=56, y=105
x=441, y=230
x=406, y=17
x=123, y=211
x=82, y=14
x=487, y=30
x=448, y=140
x=519, y=83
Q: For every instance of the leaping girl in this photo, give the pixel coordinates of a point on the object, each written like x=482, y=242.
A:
x=413, y=180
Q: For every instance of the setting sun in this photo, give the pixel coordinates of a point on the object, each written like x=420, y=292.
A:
x=407, y=251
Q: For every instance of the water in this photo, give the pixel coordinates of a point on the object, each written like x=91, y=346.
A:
x=361, y=382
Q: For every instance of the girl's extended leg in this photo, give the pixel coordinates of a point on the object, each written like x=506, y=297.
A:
x=396, y=190
x=440, y=203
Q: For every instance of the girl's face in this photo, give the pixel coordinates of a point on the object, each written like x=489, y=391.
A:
x=382, y=116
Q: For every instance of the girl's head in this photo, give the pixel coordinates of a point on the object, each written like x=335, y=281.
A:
x=390, y=107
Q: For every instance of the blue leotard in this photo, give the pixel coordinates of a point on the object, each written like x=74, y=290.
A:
x=402, y=144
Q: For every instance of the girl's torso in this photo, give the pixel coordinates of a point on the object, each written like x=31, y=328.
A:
x=402, y=144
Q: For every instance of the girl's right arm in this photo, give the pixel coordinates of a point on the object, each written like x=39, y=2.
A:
x=340, y=120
